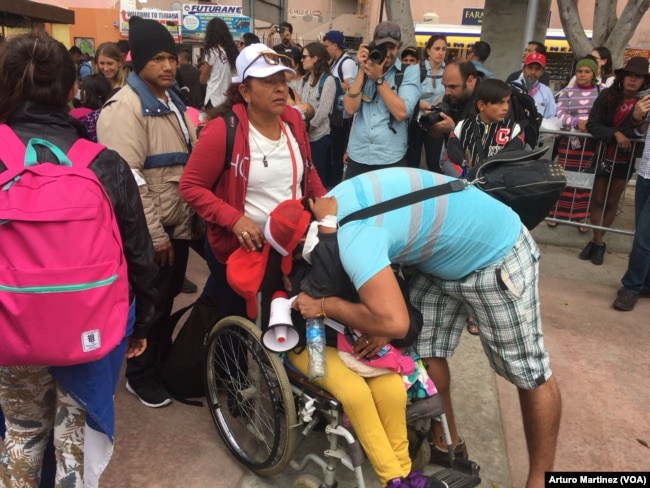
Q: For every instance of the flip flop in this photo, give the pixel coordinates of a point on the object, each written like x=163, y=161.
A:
x=583, y=230
x=472, y=328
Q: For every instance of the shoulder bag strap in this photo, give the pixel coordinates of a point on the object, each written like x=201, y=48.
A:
x=404, y=200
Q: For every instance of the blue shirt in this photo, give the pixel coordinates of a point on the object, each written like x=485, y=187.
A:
x=428, y=92
x=449, y=236
x=371, y=139
x=543, y=96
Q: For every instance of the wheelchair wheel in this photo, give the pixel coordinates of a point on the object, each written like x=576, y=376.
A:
x=306, y=481
x=249, y=397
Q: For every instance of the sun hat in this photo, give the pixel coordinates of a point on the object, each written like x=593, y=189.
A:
x=634, y=66
x=258, y=61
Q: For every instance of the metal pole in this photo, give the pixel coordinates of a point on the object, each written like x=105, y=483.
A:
x=531, y=18
x=381, y=11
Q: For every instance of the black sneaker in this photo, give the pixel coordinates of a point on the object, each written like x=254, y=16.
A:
x=625, y=300
x=441, y=456
x=587, y=251
x=188, y=286
x=598, y=255
x=152, y=394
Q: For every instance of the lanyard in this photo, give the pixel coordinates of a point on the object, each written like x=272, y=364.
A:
x=294, y=163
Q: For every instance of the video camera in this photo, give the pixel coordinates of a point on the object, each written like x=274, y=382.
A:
x=432, y=116
x=376, y=53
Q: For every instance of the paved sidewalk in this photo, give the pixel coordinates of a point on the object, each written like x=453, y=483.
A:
x=598, y=355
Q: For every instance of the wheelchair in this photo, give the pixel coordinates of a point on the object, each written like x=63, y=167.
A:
x=263, y=409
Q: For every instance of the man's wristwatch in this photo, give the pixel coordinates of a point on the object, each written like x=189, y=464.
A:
x=379, y=81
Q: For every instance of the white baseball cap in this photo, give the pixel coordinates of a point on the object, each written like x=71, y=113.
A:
x=258, y=61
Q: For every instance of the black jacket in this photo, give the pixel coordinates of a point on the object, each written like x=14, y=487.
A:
x=601, y=123
x=32, y=120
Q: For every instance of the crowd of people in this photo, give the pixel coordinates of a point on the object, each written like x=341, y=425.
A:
x=313, y=123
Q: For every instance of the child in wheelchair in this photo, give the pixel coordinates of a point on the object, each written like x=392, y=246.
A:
x=374, y=397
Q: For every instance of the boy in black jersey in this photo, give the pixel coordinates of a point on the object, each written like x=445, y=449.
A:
x=477, y=138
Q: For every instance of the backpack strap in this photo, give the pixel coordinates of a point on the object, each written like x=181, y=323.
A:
x=321, y=83
x=404, y=200
x=423, y=72
x=232, y=122
x=13, y=149
x=83, y=152
x=339, y=70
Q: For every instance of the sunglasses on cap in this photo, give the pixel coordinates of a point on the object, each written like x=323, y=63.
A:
x=393, y=34
x=270, y=57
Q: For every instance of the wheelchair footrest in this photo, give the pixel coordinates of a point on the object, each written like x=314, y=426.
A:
x=464, y=474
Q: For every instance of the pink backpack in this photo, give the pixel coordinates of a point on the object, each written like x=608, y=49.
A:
x=63, y=280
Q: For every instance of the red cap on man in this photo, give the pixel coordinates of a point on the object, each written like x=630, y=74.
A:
x=538, y=58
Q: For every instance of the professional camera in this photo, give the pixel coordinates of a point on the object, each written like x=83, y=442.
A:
x=376, y=53
x=279, y=29
x=432, y=116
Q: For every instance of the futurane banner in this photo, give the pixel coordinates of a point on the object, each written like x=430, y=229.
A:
x=197, y=16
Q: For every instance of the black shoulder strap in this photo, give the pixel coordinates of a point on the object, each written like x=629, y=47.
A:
x=399, y=77
x=232, y=122
x=423, y=72
x=404, y=200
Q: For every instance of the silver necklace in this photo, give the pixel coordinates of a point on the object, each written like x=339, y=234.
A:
x=264, y=160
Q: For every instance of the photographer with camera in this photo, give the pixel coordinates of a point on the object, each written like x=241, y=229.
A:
x=459, y=79
x=286, y=46
x=431, y=93
x=383, y=95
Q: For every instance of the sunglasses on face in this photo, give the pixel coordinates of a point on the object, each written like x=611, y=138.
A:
x=271, y=58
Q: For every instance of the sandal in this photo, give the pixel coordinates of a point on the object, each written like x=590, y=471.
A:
x=552, y=225
x=472, y=328
x=583, y=230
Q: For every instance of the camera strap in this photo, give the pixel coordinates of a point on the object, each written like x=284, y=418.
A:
x=405, y=200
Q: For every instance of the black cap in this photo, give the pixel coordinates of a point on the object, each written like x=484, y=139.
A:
x=147, y=38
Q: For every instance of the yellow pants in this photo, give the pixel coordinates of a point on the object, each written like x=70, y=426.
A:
x=376, y=408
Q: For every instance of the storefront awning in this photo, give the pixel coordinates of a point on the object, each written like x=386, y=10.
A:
x=22, y=13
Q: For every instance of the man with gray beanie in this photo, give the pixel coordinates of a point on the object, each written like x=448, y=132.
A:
x=145, y=123
x=382, y=97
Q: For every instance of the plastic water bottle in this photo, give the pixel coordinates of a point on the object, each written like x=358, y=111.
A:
x=316, y=366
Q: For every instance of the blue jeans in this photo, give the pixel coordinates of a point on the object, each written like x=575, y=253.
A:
x=637, y=275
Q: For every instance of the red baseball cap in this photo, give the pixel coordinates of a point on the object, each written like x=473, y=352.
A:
x=538, y=58
x=245, y=270
x=286, y=225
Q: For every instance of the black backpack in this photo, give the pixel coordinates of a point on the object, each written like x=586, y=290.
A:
x=524, y=112
x=182, y=359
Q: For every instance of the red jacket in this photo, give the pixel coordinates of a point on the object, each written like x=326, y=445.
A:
x=217, y=191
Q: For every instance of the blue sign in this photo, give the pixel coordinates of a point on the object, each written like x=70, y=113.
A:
x=472, y=16
x=196, y=18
